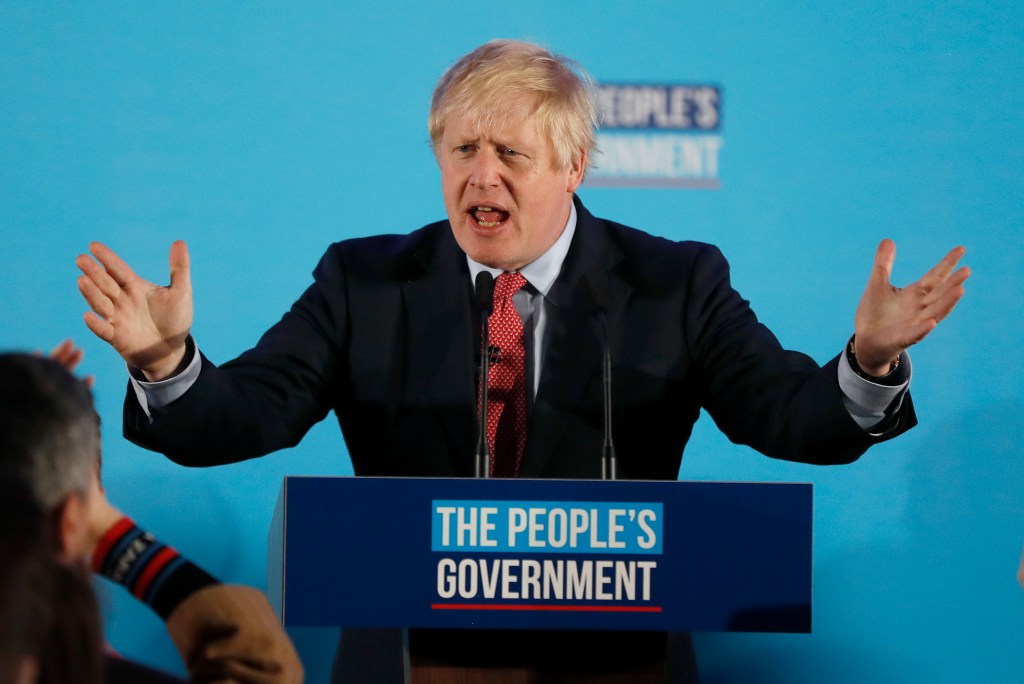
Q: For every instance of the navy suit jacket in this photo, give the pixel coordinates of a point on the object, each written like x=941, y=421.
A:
x=386, y=337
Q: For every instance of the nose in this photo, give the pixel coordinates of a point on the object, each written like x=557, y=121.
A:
x=486, y=170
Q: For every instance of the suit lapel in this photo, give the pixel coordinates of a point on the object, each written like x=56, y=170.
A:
x=573, y=347
x=439, y=349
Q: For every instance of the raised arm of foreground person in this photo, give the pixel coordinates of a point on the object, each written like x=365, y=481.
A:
x=224, y=632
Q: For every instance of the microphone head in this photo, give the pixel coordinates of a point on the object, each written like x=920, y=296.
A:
x=484, y=291
x=596, y=297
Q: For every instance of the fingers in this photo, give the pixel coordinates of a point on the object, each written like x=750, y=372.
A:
x=940, y=288
x=61, y=349
x=112, y=276
x=179, y=262
x=99, y=327
x=101, y=280
x=944, y=304
x=885, y=256
x=235, y=659
x=937, y=296
x=937, y=281
x=940, y=271
x=941, y=306
x=952, y=282
x=232, y=671
x=67, y=354
x=114, y=265
x=97, y=300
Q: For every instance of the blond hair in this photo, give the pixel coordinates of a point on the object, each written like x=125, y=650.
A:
x=488, y=86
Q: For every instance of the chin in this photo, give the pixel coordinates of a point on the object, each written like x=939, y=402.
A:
x=483, y=251
x=491, y=260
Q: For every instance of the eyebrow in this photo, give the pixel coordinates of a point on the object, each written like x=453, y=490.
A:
x=515, y=145
x=519, y=146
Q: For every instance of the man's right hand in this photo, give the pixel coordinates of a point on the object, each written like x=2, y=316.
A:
x=147, y=324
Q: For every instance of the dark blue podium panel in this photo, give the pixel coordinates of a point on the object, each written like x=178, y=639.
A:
x=552, y=554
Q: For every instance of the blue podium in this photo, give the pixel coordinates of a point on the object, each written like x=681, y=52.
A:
x=551, y=554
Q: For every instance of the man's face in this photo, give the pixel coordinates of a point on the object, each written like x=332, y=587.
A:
x=506, y=198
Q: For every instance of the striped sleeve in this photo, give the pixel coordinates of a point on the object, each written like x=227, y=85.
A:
x=153, y=572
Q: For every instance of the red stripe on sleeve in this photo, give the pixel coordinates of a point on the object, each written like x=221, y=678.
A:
x=153, y=568
x=108, y=540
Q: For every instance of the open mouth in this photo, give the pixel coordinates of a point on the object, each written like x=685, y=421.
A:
x=488, y=217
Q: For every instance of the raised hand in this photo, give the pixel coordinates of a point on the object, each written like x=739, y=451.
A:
x=69, y=356
x=889, y=319
x=147, y=324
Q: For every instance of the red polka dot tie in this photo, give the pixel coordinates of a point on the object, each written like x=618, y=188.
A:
x=506, y=385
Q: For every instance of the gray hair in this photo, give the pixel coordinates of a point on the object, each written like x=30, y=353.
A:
x=49, y=429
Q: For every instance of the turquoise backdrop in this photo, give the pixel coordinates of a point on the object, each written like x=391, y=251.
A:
x=260, y=132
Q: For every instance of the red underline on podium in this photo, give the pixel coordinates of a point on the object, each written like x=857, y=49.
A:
x=576, y=609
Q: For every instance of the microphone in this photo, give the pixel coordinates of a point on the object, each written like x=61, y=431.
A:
x=484, y=299
x=598, y=301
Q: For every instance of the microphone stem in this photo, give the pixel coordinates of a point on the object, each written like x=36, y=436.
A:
x=609, y=463
x=483, y=447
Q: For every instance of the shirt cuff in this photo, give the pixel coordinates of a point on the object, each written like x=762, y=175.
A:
x=870, y=403
x=153, y=396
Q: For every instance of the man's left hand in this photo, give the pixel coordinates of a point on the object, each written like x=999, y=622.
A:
x=889, y=319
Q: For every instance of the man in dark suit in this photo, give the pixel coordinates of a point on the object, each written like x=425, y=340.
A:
x=385, y=337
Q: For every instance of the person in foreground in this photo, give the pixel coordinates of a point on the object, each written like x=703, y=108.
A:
x=386, y=338
x=50, y=629
x=50, y=450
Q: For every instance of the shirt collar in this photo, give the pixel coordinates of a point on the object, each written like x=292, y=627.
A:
x=542, y=271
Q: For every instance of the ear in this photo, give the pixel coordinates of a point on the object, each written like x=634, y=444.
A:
x=577, y=169
x=70, y=527
x=97, y=475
